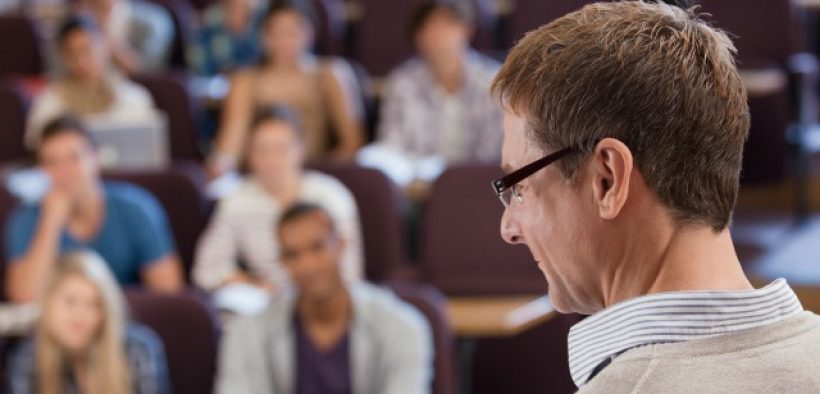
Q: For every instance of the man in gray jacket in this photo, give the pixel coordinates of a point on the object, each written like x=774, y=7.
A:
x=329, y=336
x=641, y=111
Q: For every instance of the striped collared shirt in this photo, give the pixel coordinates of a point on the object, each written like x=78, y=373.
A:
x=673, y=317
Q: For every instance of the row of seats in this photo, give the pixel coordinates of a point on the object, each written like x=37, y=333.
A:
x=169, y=92
x=769, y=36
x=462, y=253
x=461, y=247
x=188, y=328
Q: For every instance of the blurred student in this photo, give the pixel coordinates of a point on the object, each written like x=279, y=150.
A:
x=121, y=222
x=139, y=33
x=241, y=228
x=437, y=109
x=228, y=38
x=83, y=341
x=328, y=336
x=321, y=91
x=88, y=87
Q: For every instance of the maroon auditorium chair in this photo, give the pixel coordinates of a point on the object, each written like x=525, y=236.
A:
x=431, y=303
x=20, y=46
x=380, y=207
x=533, y=362
x=170, y=95
x=528, y=15
x=462, y=251
x=380, y=39
x=179, y=191
x=13, y=111
x=332, y=27
x=189, y=332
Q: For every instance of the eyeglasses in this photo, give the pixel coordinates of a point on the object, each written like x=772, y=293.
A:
x=506, y=187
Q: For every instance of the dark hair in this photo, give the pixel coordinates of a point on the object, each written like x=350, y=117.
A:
x=654, y=76
x=302, y=7
x=459, y=9
x=277, y=113
x=64, y=124
x=75, y=23
x=300, y=210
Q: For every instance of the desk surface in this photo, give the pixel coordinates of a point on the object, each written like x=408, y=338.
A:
x=764, y=82
x=813, y=5
x=497, y=316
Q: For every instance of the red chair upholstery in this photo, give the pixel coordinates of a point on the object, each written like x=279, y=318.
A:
x=431, y=303
x=529, y=15
x=462, y=251
x=332, y=27
x=766, y=34
x=379, y=210
x=532, y=362
x=13, y=111
x=380, y=39
x=179, y=192
x=171, y=96
x=20, y=45
x=189, y=332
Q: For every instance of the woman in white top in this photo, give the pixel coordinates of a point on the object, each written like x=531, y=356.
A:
x=243, y=226
x=87, y=88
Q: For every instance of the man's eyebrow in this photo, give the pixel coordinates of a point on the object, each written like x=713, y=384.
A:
x=506, y=168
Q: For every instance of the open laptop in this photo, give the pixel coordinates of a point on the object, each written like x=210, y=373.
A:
x=133, y=144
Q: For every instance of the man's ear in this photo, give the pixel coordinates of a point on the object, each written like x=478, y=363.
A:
x=612, y=164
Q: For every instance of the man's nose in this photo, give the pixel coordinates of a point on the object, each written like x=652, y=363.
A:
x=509, y=229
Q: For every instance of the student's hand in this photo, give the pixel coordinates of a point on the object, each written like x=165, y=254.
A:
x=57, y=207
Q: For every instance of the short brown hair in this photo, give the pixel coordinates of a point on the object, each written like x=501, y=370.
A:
x=654, y=76
x=460, y=10
x=65, y=124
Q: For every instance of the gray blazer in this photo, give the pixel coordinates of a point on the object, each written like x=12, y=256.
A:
x=390, y=347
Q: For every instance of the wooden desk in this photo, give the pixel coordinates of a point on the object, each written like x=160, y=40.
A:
x=811, y=5
x=763, y=82
x=491, y=317
x=475, y=317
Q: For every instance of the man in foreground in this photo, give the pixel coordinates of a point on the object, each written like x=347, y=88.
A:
x=641, y=112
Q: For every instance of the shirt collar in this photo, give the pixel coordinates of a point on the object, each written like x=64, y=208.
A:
x=673, y=317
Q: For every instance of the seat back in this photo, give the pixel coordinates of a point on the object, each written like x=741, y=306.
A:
x=20, y=45
x=532, y=362
x=462, y=251
x=529, y=15
x=188, y=331
x=380, y=208
x=13, y=112
x=171, y=96
x=764, y=30
x=432, y=304
x=179, y=193
x=380, y=39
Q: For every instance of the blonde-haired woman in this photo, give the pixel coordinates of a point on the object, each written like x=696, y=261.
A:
x=83, y=342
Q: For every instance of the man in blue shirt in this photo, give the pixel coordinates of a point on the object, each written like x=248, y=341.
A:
x=121, y=222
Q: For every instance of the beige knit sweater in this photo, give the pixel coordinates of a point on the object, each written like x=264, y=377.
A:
x=783, y=357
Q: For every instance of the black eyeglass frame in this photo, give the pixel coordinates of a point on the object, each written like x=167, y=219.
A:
x=508, y=181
